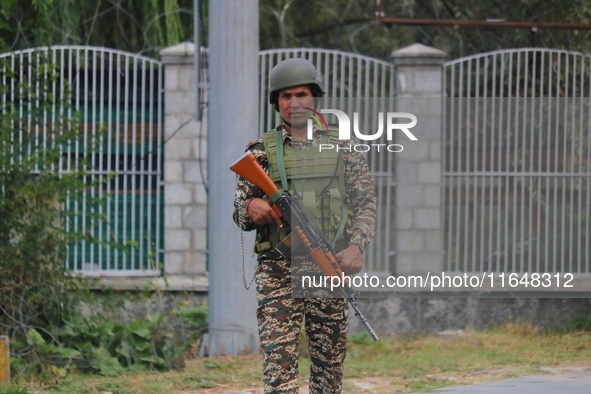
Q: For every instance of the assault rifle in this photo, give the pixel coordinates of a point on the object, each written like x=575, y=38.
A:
x=290, y=211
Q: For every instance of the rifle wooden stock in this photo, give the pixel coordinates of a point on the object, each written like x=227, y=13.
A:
x=248, y=168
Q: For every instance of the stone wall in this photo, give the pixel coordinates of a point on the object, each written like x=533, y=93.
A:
x=428, y=313
x=185, y=199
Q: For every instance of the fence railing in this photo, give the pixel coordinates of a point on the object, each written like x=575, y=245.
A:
x=517, y=162
x=118, y=99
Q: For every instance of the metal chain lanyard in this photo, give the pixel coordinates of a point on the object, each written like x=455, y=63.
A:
x=247, y=287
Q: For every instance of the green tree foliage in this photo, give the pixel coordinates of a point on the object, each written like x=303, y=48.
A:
x=347, y=25
x=35, y=289
x=145, y=26
x=460, y=41
x=350, y=25
x=141, y=26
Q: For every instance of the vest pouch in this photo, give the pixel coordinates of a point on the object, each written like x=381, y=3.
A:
x=262, y=243
x=309, y=203
x=268, y=237
x=305, y=173
x=330, y=205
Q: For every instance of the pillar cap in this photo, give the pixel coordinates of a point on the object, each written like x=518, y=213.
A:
x=418, y=54
x=178, y=54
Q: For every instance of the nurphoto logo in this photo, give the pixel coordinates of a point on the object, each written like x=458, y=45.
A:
x=390, y=119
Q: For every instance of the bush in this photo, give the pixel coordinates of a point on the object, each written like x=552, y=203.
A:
x=41, y=299
x=35, y=289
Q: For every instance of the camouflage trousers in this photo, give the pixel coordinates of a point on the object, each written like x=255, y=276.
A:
x=280, y=317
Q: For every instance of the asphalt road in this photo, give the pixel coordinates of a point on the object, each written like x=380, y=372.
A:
x=569, y=383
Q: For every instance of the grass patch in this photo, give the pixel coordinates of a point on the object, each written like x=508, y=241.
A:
x=428, y=362
x=13, y=390
x=408, y=364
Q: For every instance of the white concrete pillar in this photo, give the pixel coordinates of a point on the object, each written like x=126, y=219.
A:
x=419, y=89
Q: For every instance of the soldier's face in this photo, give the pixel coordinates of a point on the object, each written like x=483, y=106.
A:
x=292, y=104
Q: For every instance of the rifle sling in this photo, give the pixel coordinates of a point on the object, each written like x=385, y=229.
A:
x=280, y=161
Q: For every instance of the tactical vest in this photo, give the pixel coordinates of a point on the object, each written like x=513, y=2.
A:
x=317, y=179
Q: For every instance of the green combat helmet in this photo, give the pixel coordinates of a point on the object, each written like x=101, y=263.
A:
x=294, y=72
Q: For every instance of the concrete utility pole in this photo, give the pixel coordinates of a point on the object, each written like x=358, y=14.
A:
x=233, y=122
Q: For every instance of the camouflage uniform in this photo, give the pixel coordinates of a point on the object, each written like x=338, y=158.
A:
x=280, y=315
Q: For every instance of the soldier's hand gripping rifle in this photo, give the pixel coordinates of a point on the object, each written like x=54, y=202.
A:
x=290, y=211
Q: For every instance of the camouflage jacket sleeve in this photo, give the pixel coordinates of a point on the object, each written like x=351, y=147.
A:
x=245, y=190
x=362, y=198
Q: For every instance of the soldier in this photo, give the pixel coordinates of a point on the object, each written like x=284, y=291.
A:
x=339, y=196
